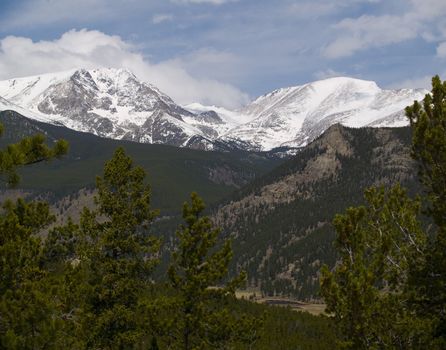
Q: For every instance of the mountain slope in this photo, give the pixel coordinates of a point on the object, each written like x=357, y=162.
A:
x=172, y=172
x=281, y=222
x=295, y=116
x=110, y=103
x=114, y=103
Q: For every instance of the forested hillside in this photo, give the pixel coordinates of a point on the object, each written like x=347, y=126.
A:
x=122, y=277
x=281, y=222
x=173, y=172
x=90, y=284
x=279, y=219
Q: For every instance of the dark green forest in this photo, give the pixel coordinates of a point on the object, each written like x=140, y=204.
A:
x=299, y=231
x=387, y=290
x=173, y=172
x=89, y=284
x=93, y=283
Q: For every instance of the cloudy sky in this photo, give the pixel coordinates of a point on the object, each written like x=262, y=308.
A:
x=225, y=52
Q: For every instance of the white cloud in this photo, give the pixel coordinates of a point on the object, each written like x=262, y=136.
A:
x=305, y=9
x=370, y=31
x=428, y=9
x=162, y=17
x=328, y=73
x=32, y=13
x=213, y=2
x=211, y=63
x=441, y=50
x=422, y=19
x=424, y=82
x=21, y=56
x=311, y=9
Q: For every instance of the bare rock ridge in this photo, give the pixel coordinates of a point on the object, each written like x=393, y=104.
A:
x=114, y=103
x=281, y=223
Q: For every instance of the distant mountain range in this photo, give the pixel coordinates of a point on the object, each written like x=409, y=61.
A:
x=114, y=103
x=172, y=172
x=278, y=212
x=281, y=223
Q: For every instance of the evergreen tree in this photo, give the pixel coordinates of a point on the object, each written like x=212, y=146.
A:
x=197, y=273
x=389, y=289
x=27, y=311
x=115, y=257
x=154, y=344
x=28, y=304
x=27, y=151
x=377, y=243
x=428, y=122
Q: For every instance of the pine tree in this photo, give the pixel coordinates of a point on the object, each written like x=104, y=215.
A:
x=27, y=151
x=199, y=267
x=28, y=304
x=378, y=243
x=116, y=255
x=154, y=344
x=26, y=308
x=389, y=289
x=428, y=123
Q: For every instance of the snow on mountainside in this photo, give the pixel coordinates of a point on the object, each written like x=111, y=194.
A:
x=297, y=115
x=114, y=103
x=8, y=105
x=106, y=102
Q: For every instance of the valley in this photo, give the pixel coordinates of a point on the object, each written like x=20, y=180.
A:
x=222, y=175
x=173, y=172
x=114, y=103
x=277, y=211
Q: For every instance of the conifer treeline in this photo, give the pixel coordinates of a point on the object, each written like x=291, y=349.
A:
x=388, y=290
x=89, y=285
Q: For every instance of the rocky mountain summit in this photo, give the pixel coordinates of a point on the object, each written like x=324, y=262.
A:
x=110, y=103
x=114, y=103
x=280, y=223
x=297, y=115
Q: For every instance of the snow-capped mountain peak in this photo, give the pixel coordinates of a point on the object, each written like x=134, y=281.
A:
x=114, y=103
x=107, y=102
x=296, y=115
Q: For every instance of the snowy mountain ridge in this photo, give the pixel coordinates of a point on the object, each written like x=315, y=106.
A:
x=297, y=115
x=114, y=103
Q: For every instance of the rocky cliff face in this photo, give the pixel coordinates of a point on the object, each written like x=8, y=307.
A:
x=109, y=103
x=281, y=223
x=297, y=115
x=114, y=103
